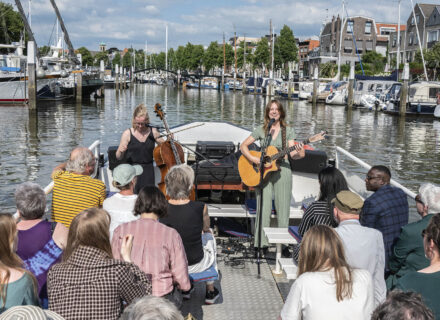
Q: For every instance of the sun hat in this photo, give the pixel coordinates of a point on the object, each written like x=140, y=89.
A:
x=124, y=173
x=348, y=202
x=29, y=313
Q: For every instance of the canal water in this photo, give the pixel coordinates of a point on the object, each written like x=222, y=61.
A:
x=33, y=143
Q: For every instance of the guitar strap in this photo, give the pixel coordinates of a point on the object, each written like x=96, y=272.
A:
x=283, y=137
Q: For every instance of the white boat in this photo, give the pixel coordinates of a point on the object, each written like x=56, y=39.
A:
x=305, y=90
x=338, y=94
x=375, y=88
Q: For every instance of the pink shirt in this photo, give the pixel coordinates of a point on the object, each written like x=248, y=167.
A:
x=157, y=250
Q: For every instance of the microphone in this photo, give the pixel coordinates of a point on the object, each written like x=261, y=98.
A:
x=271, y=122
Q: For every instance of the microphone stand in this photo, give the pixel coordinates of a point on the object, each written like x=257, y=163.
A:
x=267, y=140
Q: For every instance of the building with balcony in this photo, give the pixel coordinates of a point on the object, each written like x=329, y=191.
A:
x=304, y=48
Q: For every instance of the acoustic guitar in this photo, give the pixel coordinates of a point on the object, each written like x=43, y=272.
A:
x=249, y=171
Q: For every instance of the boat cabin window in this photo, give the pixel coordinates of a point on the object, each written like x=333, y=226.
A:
x=360, y=86
x=412, y=92
x=379, y=88
x=434, y=92
x=371, y=87
x=327, y=87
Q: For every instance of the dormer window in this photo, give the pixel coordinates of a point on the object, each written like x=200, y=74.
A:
x=368, y=27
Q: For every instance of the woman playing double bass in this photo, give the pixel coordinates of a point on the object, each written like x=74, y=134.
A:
x=279, y=182
x=137, y=145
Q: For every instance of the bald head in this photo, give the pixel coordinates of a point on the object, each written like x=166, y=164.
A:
x=81, y=161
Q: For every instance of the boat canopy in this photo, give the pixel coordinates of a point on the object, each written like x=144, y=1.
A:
x=392, y=77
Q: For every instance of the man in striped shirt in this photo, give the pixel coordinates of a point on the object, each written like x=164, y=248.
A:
x=74, y=190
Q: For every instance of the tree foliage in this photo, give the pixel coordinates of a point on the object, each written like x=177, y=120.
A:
x=101, y=56
x=212, y=56
x=286, y=46
x=86, y=56
x=116, y=60
x=10, y=23
x=261, y=54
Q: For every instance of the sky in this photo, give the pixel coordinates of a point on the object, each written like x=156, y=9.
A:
x=133, y=23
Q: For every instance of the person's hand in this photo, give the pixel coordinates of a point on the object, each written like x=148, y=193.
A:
x=256, y=160
x=123, y=148
x=127, y=245
x=299, y=146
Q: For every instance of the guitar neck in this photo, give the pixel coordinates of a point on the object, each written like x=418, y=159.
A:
x=286, y=151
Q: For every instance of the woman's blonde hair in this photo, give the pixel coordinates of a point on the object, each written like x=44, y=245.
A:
x=280, y=110
x=322, y=250
x=8, y=258
x=89, y=228
x=140, y=111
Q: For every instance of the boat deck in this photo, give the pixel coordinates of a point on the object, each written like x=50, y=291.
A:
x=243, y=295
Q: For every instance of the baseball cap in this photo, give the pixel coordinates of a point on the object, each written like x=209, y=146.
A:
x=124, y=173
x=348, y=202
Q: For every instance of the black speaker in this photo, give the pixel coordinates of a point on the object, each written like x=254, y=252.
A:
x=313, y=162
x=112, y=161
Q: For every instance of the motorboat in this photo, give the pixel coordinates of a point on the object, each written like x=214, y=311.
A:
x=338, y=94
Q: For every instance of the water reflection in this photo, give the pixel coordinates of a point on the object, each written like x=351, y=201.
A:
x=34, y=142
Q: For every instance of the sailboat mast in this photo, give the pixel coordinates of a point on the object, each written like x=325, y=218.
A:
x=341, y=29
x=27, y=26
x=420, y=43
x=166, y=52
x=398, y=45
x=224, y=54
x=66, y=35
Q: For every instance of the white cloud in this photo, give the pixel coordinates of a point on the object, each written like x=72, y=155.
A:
x=151, y=9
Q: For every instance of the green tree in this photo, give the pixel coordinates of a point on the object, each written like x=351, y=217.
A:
x=432, y=58
x=86, y=56
x=11, y=24
x=160, y=61
x=229, y=53
x=212, y=56
x=328, y=70
x=261, y=54
x=127, y=59
x=44, y=50
x=180, y=58
x=101, y=56
x=172, y=63
x=116, y=60
x=197, y=57
x=286, y=46
x=373, y=62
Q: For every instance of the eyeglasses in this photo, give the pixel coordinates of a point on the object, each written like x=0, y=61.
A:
x=142, y=124
x=418, y=199
x=371, y=178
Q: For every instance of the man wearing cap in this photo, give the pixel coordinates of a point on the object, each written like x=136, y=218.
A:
x=120, y=206
x=364, y=248
x=386, y=209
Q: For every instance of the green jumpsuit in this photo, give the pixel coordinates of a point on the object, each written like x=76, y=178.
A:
x=279, y=182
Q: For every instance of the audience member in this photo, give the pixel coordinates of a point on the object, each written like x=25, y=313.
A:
x=427, y=281
x=17, y=285
x=89, y=283
x=29, y=313
x=327, y=287
x=74, y=189
x=40, y=242
x=158, y=249
x=192, y=222
x=120, y=206
x=403, y=306
x=408, y=252
x=151, y=308
x=331, y=181
x=386, y=209
x=363, y=246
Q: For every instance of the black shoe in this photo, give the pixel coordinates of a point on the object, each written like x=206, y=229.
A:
x=187, y=294
x=212, y=296
x=285, y=253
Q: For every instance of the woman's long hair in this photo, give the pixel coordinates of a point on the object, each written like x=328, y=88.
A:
x=331, y=182
x=280, y=110
x=322, y=250
x=89, y=228
x=8, y=258
x=140, y=111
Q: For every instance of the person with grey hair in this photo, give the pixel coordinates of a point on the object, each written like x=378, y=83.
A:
x=40, y=242
x=151, y=308
x=74, y=189
x=192, y=222
x=403, y=306
x=408, y=253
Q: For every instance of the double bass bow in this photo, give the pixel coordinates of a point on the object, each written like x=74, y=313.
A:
x=167, y=154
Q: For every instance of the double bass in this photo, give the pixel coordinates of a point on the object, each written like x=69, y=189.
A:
x=167, y=154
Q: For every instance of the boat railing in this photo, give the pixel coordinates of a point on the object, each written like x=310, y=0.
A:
x=366, y=166
x=95, y=147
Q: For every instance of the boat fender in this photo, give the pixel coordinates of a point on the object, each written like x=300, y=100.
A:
x=437, y=111
x=41, y=73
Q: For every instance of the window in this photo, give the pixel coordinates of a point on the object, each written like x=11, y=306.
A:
x=368, y=27
x=411, y=38
x=394, y=40
x=368, y=45
x=412, y=20
x=416, y=39
x=418, y=18
x=360, y=86
x=432, y=36
x=434, y=92
x=379, y=87
x=350, y=26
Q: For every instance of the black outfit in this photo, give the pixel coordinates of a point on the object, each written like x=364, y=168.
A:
x=142, y=153
x=187, y=220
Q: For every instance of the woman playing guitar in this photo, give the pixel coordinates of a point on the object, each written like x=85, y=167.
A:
x=279, y=182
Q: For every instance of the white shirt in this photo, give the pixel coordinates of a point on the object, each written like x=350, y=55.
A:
x=364, y=249
x=120, y=208
x=313, y=297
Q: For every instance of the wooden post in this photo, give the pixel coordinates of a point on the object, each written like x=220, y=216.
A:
x=244, y=82
x=255, y=81
x=270, y=83
x=289, y=83
x=404, y=91
x=79, y=86
x=125, y=78
x=117, y=77
x=223, y=80
x=235, y=79
x=32, y=76
x=350, y=88
x=315, y=86
x=200, y=82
